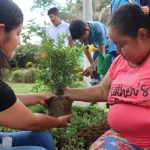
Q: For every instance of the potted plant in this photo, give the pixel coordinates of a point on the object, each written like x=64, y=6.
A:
x=58, y=70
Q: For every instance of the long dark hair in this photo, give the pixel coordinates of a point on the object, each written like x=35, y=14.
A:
x=11, y=16
x=128, y=19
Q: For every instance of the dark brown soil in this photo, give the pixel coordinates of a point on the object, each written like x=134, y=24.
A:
x=59, y=107
x=88, y=135
x=92, y=133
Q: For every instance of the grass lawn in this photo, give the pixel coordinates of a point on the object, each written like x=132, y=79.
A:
x=22, y=87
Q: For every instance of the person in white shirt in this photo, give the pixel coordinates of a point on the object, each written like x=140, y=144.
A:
x=58, y=27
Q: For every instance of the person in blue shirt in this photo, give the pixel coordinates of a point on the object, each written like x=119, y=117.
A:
x=145, y=4
x=90, y=33
x=115, y=4
x=111, y=49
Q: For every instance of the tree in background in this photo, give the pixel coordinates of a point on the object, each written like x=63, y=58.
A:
x=24, y=54
x=72, y=10
x=43, y=4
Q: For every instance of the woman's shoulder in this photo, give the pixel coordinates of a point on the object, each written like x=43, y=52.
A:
x=7, y=96
x=119, y=60
x=118, y=64
x=4, y=86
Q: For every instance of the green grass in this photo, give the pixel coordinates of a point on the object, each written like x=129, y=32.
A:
x=22, y=87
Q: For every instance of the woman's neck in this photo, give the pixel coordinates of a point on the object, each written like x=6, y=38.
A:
x=133, y=65
x=138, y=64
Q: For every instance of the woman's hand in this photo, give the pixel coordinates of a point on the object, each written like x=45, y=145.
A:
x=64, y=120
x=35, y=98
x=43, y=97
x=66, y=93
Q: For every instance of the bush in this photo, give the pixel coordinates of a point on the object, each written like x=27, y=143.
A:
x=38, y=108
x=25, y=75
x=6, y=73
x=29, y=64
x=30, y=75
x=87, y=124
x=58, y=64
x=24, y=54
x=17, y=76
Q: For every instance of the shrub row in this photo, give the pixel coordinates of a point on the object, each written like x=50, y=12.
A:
x=21, y=75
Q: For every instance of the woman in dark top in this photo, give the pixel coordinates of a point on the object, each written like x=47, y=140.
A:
x=13, y=111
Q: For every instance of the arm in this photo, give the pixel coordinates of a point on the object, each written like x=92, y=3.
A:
x=90, y=94
x=19, y=117
x=88, y=55
x=71, y=42
x=88, y=71
x=34, y=98
x=102, y=49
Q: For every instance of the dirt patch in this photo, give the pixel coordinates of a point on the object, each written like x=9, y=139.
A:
x=87, y=135
x=91, y=134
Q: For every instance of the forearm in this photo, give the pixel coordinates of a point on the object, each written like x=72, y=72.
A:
x=95, y=63
x=38, y=122
x=24, y=119
x=88, y=55
x=43, y=122
x=28, y=99
x=103, y=49
x=92, y=94
x=71, y=42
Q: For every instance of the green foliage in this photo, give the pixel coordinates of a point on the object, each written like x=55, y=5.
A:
x=30, y=75
x=24, y=54
x=32, y=30
x=6, y=73
x=58, y=64
x=24, y=75
x=43, y=3
x=29, y=64
x=38, y=108
x=99, y=5
x=74, y=9
x=83, y=119
x=17, y=76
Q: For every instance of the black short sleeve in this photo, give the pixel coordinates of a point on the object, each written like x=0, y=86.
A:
x=7, y=96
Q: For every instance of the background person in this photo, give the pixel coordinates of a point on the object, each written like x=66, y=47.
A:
x=145, y=4
x=58, y=27
x=126, y=84
x=90, y=33
x=115, y=4
x=13, y=111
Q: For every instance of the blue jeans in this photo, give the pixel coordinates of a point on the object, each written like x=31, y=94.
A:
x=28, y=140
